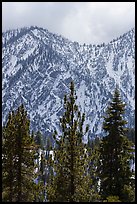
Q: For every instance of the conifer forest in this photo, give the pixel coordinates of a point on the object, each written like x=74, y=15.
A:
x=65, y=168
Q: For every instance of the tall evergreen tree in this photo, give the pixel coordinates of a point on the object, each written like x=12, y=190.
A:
x=39, y=148
x=48, y=157
x=115, y=153
x=18, y=150
x=38, y=138
x=8, y=148
x=39, y=160
x=71, y=181
x=43, y=165
x=93, y=152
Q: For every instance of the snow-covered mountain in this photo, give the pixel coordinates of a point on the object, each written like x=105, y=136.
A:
x=38, y=67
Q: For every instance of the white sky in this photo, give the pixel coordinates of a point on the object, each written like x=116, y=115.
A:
x=84, y=22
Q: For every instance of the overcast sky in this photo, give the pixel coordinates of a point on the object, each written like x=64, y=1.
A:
x=84, y=22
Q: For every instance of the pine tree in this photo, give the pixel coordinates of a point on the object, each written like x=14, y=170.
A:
x=18, y=150
x=41, y=180
x=71, y=181
x=43, y=165
x=48, y=157
x=39, y=148
x=93, y=152
x=7, y=159
x=115, y=152
x=37, y=137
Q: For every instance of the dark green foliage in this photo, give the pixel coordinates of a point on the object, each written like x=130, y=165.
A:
x=74, y=171
x=131, y=134
x=93, y=152
x=115, y=153
x=38, y=138
x=40, y=163
x=48, y=158
x=18, y=151
x=41, y=178
x=42, y=159
x=112, y=199
x=71, y=181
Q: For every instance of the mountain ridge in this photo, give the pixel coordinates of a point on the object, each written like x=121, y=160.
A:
x=38, y=67
x=60, y=35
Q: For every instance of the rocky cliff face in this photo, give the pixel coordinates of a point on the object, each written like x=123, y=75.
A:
x=38, y=67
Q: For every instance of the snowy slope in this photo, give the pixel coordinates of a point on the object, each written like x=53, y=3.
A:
x=38, y=67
